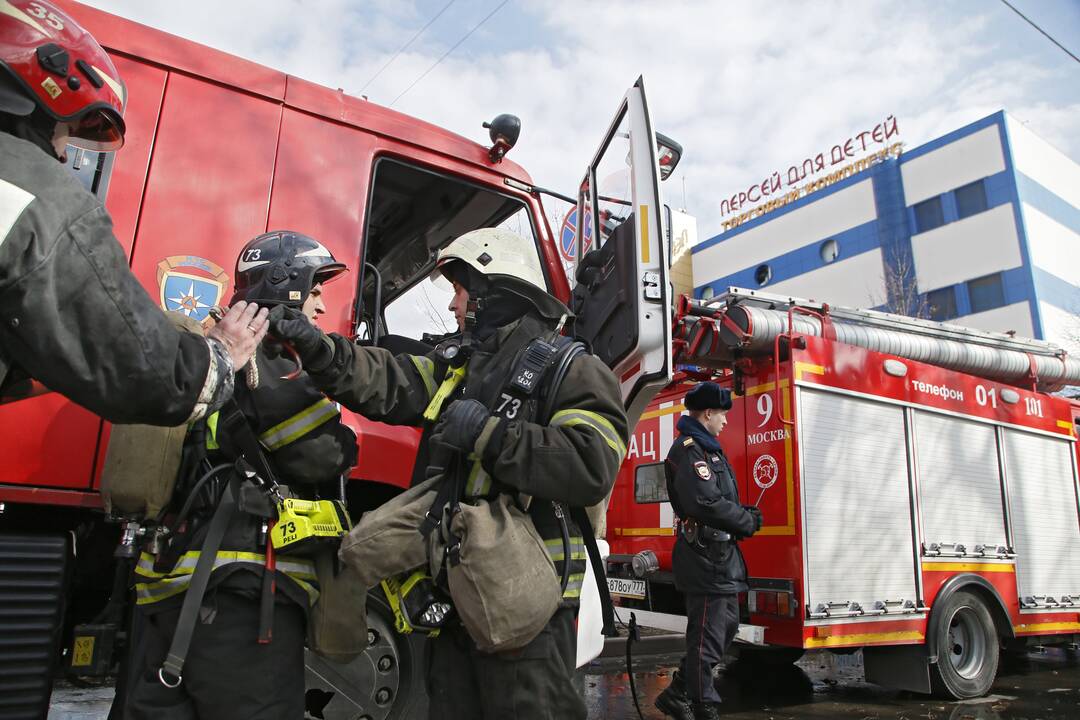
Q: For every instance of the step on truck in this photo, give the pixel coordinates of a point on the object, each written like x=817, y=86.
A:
x=917, y=480
x=219, y=150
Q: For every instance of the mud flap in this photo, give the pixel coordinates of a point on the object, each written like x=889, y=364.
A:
x=904, y=667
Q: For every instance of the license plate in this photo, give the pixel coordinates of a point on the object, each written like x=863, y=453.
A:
x=626, y=588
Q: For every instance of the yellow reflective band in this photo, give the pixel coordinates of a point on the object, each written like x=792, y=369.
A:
x=426, y=368
x=299, y=424
x=449, y=383
x=479, y=482
x=573, y=585
x=574, y=416
x=211, y=436
x=177, y=580
x=556, y=551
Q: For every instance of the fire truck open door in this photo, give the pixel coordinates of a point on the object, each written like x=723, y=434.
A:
x=622, y=298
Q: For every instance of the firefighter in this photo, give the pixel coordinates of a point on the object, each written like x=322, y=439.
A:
x=501, y=306
x=706, y=560
x=72, y=315
x=246, y=658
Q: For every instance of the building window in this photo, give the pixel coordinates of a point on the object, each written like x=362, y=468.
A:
x=830, y=250
x=929, y=215
x=970, y=199
x=707, y=293
x=763, y=274
x=986, y=293
x=942, y=303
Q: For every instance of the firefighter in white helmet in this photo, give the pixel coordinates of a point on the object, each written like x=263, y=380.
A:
x=72, y=315
x=462, y=397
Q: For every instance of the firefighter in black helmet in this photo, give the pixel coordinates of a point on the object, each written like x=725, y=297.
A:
x=235, y=668
x=72, y=315
x=706, y=560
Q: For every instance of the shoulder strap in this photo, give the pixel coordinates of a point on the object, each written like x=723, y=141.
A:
x=185, y=626
x=568, y=352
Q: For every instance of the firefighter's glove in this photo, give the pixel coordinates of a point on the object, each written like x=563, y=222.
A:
x=315, y=349
x=460, y=425
x=755, y=513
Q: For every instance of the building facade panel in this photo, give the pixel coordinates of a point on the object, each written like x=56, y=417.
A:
x=1062, y=325
x=858, y=282
x=1015, y=317
x=953, y=165
x=1042, y=162
x=1052, y=246
x=968, y=248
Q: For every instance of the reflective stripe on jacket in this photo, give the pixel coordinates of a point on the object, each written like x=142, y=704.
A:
x=154, y=586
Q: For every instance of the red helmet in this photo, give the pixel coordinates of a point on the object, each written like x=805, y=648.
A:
x=49, y=61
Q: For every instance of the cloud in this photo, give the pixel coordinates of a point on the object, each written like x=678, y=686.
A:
x=747, y=88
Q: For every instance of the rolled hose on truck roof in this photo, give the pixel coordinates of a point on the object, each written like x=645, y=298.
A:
x=741, y=324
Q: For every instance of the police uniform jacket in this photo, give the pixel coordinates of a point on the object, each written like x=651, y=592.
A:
x=309, y=449
x=702, y=486
x=572, y=458
x=74, y=317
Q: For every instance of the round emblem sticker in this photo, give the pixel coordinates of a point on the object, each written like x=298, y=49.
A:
x=766, y=471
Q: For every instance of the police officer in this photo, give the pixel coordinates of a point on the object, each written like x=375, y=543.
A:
x=246, y=658
x=72, y=315
x=572, y=457
x=708, y=565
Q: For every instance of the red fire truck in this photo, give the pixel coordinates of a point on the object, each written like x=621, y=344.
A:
x=220, y=149
x=918, y=486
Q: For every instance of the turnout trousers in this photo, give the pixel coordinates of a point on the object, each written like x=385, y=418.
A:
x=228, y=675
x=711, y=624
x=533, y=683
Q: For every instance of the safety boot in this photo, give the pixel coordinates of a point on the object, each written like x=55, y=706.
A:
x=706, y=711
x=673, y=701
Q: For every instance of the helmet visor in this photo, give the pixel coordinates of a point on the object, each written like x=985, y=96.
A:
x=99, y=130
x=328, y=273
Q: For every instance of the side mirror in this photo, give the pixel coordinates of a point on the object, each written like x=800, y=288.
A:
x=668, y=154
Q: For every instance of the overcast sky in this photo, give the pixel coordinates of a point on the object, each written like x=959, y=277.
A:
x=746, y=87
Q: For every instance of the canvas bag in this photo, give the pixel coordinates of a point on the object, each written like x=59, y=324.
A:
x=503, y=582
x=143, y=461
x=387, y=540
x=337, y=624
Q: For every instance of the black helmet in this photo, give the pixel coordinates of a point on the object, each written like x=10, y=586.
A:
x=281, y=267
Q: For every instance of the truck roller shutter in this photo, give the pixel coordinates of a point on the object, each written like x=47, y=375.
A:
x=33, y=585
x=959, y=486
x=1041, y=475
x=857, y=540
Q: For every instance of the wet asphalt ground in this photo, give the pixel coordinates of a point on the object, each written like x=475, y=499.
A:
x=1036, y=686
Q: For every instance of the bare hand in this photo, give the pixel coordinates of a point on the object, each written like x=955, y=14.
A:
x=241, y=331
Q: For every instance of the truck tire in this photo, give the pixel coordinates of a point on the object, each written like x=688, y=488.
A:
x=385, y=683
x=967, y=647
x=769, y=657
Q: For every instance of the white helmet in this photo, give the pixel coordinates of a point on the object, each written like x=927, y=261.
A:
x=494, y=251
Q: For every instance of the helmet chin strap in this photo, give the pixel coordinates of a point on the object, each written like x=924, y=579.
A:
x=37, y=128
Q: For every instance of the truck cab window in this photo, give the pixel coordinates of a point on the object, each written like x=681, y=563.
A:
x=91, y=168
x=414, y=213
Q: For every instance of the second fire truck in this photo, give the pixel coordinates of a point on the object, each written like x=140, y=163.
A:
x=917, y=481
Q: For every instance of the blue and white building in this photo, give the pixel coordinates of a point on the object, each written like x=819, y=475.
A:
x=985, y=219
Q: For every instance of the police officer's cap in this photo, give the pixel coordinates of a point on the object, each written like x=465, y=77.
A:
x=708, y=396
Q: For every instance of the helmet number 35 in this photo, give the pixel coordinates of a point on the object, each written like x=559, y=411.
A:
x=42, y=13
